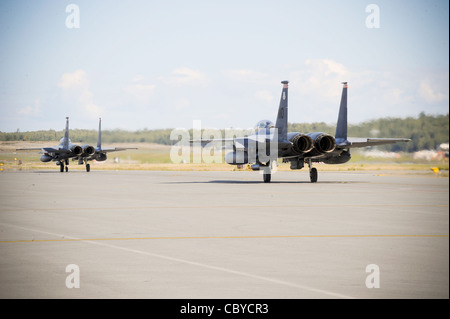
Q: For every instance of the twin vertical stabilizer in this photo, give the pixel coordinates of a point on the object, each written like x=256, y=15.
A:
x=99, y=139
x=341, y=127
x=65, y=143
x=282, y=117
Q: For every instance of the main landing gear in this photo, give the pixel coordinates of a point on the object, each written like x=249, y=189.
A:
x=82, y=161
x=267, y=172
x=267, y=177
x=61, y=165
x=312, y=172
x=267, y=169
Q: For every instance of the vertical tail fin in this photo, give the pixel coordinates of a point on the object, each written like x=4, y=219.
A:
x=99, y=139
x=341, y=127
x=66, y=136
x=282, y=117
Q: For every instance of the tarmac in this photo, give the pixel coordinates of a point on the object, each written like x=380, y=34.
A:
x=207, y=235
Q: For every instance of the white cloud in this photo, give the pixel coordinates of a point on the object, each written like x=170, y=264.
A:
x=76, y=87
x=327, y=67
x=265, y=96
x=138, y=78
x=432, y=93
x=185, y=76
x=142, y=93
x=320, y=78
x=316, y=90
x=398, y=96
x=246, y=75
x=34, y=110
x=75, y=80
x=182, y=104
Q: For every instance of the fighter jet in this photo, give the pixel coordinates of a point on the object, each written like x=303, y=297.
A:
x=61, y=153
x=98, y=153
x=271, y=142
x=66, y=150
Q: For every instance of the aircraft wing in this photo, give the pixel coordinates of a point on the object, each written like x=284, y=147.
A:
x=29, y=149
x=206, y=141
x=56, y=151
x=353, y=142
x=45, y=149
x=203, y=143
x=115, y=149
x=239, y=143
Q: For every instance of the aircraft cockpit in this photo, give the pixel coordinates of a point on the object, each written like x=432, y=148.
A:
x=61, y=141
x=264, y=124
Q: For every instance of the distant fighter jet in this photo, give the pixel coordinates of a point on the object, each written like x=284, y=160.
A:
x=99, y=153
x=66, y=150
x=294, y=147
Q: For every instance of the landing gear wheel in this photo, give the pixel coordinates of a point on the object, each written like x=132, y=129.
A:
x=61, y=167
x=67, y=169
x=313, y=174
x=88, y=167
x=267, y=177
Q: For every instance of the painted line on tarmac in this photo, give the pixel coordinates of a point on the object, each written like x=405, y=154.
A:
x=201, y=265
x=217, y=207
x=67, y=238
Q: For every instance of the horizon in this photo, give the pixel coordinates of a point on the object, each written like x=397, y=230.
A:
x=237, y=128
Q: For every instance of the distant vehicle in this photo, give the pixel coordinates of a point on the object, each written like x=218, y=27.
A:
x=294, y=147
x=67, y=150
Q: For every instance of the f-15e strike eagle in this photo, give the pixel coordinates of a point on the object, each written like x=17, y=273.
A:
x=294, y=147
x=84, y=153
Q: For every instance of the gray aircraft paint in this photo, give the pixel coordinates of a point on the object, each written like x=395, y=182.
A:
x=66, y=150
x=294, y=147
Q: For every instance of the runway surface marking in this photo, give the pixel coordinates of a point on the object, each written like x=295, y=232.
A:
x=218, y=237
x=193, y=263
x=219, y=206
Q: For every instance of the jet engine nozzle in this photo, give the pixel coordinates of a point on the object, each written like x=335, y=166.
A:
x=77, y=150
x=88, y=150
x=302, y=143
x=101, y=157
x=325, y=143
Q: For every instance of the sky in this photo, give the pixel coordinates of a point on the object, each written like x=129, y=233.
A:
x=164, y=64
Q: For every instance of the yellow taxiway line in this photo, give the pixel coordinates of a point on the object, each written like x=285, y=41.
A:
x=224, y=237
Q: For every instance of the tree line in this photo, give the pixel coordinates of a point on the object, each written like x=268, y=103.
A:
x=425, y=131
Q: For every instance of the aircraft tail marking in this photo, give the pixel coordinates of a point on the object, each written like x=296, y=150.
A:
x=341, y=127
x=99, y=139
x=66, y=135
x=282, y=117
